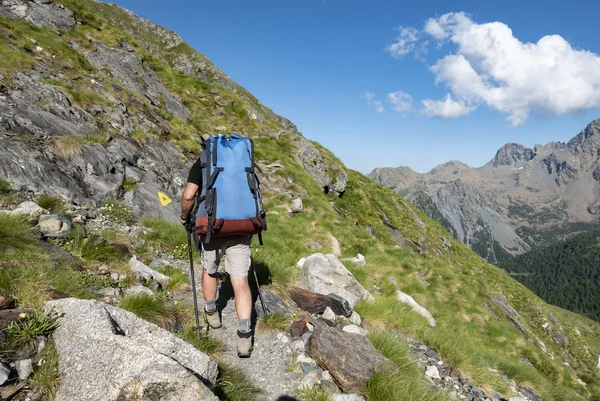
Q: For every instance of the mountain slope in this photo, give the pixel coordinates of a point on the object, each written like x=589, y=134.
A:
x=566, y=274
x=520, y=199
x=116, y=114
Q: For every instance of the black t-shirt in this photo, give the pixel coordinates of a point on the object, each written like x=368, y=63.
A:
x=195, y=176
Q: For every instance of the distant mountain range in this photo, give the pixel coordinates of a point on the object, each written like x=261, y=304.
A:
x=520, y=199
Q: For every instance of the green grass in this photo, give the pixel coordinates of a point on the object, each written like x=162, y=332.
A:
x=46, y=377
x=315, y=393
x=179, y=283
x=233, y=385
x=157, y=309
x=129, y=185
x=5, y=187
x=406, y=383
x=274, y=321
x=209, y=345
x=54, y=204
x=118, y=211
x=91, y=247
x=165, y=236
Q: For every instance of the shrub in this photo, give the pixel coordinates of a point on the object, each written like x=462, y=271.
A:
x=129, y=185
x=118, y=211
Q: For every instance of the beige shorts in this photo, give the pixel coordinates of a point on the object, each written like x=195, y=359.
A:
x=236, y=250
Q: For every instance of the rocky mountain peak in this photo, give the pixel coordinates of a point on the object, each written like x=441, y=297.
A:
x=512, y=154
x=590, y=135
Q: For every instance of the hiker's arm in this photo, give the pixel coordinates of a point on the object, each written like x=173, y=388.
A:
x=187, y=201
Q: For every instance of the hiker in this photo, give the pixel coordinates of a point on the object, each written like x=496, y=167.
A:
x=228, y=214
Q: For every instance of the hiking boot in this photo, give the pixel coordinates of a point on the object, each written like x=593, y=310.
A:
x=213, y=319
x=244, y=344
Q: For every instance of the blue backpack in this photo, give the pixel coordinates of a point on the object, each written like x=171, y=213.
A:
x=230, y=200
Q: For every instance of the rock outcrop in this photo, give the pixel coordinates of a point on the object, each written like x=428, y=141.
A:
x=407, y=299
x=106, y=353
x=39, y=12
x=325, y=274
x=350, y=358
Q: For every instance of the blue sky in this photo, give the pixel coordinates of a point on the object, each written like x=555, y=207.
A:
x=325, y=65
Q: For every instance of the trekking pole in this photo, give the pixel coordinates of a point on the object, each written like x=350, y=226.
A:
x=193, y=279
x=262, y=302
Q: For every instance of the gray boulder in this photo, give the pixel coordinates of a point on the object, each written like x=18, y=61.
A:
x=138, y=289
x=4, y=373
x=144, y=273
x=108, y=354
x=325, y=274
x=54, y=226
x=350, y=358
x=407, y=299
x=359, y=260
x=29, y=209
x=24, y=368
x=336, y=249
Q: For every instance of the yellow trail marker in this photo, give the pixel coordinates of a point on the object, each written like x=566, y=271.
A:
x=164, y=199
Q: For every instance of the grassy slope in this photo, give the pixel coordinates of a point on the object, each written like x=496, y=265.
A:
x=459, y=283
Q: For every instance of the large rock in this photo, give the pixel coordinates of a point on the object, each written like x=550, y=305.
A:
x=54, y=226
x=273, y=303
x=350, y=358
x=144, y=273
x=317, y=303
x=29, y=209
x=407, y=299
x=109, y=354
x=325, y=274
x=4, y=373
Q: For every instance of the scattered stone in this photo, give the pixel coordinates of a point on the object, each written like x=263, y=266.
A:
x=106, y=353
x=502, y=302
x=309, y=381
x=315, y=246
x=407, y=299
x=29, y=209
x=328, y=314
x=351, y=359
x=297, y=345
x=24, y=368
x=335, y=246
x=7, y=303
x=4, y=373
x=598, y=362
x=433, y=372
x=298, y=328
x=325, y=274
x=138, y=289
x=300, y=263
x=307, y=367
x=542, y=346
x=54, y=226
x=144, y=273
x=359, y=260
x=283, y=338
x=317, y=303
x=297, y=205
x=325, y=375
x=519, y=398
x=355, y=318
x=39, y=49
x=352, y=328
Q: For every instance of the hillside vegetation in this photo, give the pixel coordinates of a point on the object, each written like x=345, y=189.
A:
x=566, y=274
x=489, y=326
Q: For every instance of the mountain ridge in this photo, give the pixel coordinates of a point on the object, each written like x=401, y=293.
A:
x=536, y=195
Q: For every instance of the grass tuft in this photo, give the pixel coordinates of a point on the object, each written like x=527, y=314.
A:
x=277, y=320
x=166, y=237
x=315, y=393
x=179, y=283
x=209, y=345
x=234, y=385
x=54, y=204
x=67, y=146
x=46, y=378
x=26, y=329
x=157, y=309
x=118, y=211
x=15, y=232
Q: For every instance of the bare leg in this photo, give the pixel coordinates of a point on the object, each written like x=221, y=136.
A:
x=243, y=296
x=209, y=286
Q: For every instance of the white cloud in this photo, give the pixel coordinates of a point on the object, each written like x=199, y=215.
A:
x=447, y=108
x=405, y=42
x=401, y=102
x=491, y=66
x=370, y=97
x=378, y=106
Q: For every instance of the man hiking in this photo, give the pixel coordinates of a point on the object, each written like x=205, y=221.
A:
x=228, y=214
